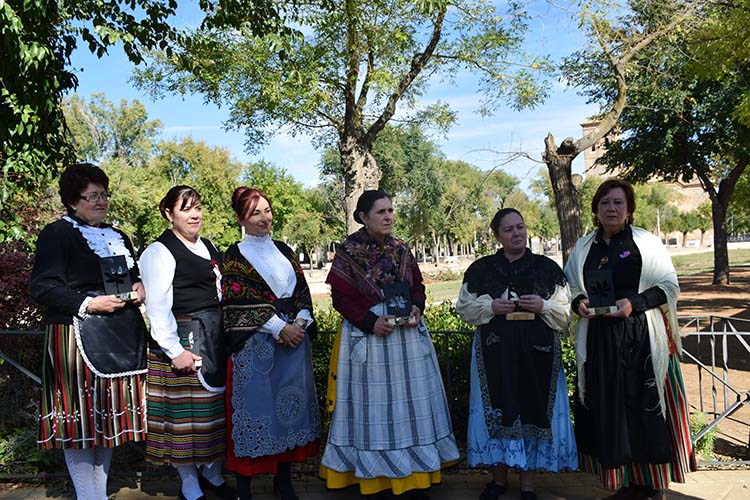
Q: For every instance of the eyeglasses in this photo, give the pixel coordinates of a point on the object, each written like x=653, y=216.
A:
x=93, y=198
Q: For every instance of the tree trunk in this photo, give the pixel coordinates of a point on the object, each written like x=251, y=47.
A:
x=721, y=254
x=567, y=199
x=361, y=172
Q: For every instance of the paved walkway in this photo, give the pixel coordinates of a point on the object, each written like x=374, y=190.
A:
x=703, y=485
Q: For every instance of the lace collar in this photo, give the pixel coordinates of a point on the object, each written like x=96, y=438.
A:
x=104, y=241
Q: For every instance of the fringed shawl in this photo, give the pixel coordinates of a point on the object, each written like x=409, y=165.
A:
x=365, y=264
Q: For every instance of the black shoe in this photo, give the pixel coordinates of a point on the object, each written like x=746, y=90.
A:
x=528, y=495
x=493, y=491
x=223, y=491
x=284, y=489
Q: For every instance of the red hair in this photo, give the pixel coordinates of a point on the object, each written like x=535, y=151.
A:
x=245, y=199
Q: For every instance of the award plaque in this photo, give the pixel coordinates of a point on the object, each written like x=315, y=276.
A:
x=516, y=289
x=189, y=331
x=601, y=292
x=116, y=277
x=397, y=302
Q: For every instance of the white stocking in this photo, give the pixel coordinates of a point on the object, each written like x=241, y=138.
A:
x=189, y=476
x=212, y=472
x=102, y=459
x=81, y=467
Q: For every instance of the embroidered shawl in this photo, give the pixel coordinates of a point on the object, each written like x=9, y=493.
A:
x=365, y=264
x=518, y=362
x=247, y=300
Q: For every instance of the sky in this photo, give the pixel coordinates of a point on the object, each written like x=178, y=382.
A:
x=473, y=139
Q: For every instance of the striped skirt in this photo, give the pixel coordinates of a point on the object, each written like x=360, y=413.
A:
x=80, y=410
x=185, y=421
x=656, y=476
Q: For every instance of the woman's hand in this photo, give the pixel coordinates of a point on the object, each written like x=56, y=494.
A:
x=502, y=306
x=185, y=362
x=533, y=303
x=292, y=335
x=104, y=304
x=624, y=309
x=141, y=291
x=383, y=327
x=414, y=316
x=583, y=309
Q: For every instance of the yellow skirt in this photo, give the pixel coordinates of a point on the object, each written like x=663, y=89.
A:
x=337, y=480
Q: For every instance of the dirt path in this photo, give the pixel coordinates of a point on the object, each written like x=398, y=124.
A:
x=700, y=297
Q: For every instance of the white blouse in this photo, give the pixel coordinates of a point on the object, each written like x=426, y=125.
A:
x=157, y=272
x=278, y=273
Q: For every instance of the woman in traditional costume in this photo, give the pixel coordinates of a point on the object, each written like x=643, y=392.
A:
x=187, y=364
x=390, y=429
x=93, y=375
x=272, y=410
x=519, y=413
x=632, y=416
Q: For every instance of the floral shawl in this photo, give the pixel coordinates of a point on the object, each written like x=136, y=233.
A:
x=247, y=300
x=365, y=264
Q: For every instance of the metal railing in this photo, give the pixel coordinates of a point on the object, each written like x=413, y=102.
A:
x=718, y=344
x=715, y=344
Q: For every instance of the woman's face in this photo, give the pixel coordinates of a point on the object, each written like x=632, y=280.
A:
x=511, y=234
x=92, y=207
x=186, y=221
x=612, y=210
x=259, y=222
x=379, y=220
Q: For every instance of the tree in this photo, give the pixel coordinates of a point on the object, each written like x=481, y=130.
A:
x=38, y=38
x=101, y=131
x=343, y=74
x=686, y=222
x=683, y=125
x=614, y=50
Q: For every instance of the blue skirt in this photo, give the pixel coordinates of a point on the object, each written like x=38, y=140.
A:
x=528, y=453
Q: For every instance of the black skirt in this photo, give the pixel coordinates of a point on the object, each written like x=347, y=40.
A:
x=621, y=421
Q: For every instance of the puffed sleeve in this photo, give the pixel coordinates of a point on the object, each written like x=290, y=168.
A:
x=474, y=309
x=47, y=283
x=157, y=270
x=556, y=311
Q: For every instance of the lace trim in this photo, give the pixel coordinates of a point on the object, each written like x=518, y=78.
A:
x=79, y=343
x=103, y=241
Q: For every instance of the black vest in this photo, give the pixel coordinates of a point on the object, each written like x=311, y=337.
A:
x=194, y=283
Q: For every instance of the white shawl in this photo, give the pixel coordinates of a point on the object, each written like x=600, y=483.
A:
x=658, y=271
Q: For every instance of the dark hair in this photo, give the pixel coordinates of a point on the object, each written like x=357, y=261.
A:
x=178, y=194
x=607, y=186
x=499, y=216
x=366, y=201
x=76, y=178
x=245, y=199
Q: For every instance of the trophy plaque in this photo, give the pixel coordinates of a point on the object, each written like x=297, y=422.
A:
x=116, y=278
x=516, y=289
x=397, y=302
x=188, y=329
x=601, y=292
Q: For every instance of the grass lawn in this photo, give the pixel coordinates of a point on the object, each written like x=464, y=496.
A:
x=702, y=262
